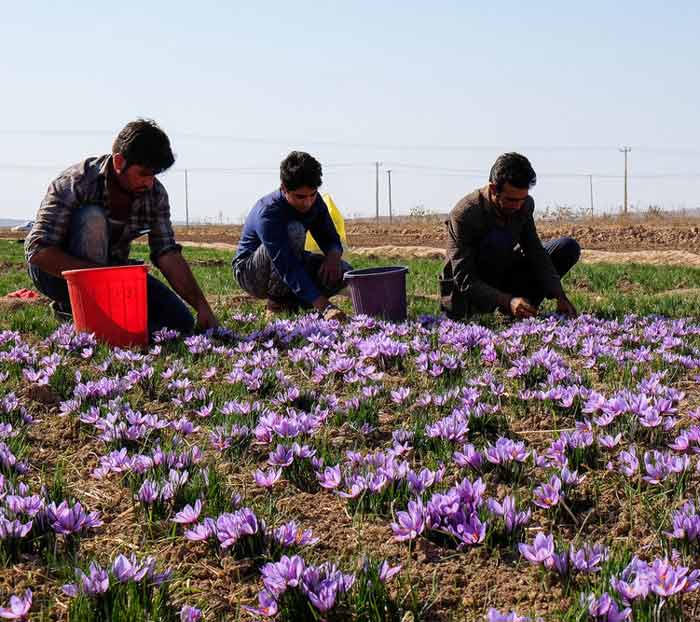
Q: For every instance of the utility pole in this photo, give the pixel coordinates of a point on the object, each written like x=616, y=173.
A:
x=626, y=150
x=389, y=179
x=590, y=182
x=187, y=203
x=376, y=188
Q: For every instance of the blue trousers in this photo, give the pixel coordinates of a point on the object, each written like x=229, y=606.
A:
x=89, y=239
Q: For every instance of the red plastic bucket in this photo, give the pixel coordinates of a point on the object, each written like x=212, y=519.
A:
x=379, y=292
x=110, y=302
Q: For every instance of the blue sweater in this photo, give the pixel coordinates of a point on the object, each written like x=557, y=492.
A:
x=267, y=224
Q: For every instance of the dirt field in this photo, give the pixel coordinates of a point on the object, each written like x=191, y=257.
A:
x=658, y=240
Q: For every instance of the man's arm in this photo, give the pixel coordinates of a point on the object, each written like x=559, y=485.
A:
x=273, y=234
x=54, y=261
x=545, y=271
x=50, y=229
x=462, y=253
x=178, y=273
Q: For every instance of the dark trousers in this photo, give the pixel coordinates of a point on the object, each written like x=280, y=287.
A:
x=506, y=267
x=89, y=239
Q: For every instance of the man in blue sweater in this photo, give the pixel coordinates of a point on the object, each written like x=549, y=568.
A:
x=271, y=261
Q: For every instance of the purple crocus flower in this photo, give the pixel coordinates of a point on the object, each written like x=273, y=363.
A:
x=190, y=614
x=547, y=495
x=189, y=514
x=330, y=478
x=386, y=572
x=202, y=531
x=289, y=535
x=410, y=524
x=267, y=605
x=494, y=615
x=541, y=551
x=148, y=493
x=282, y=456
x=93, y=584
x=287, y=572
x=267, y=479
x=588, y=558
x=18, y=608
x=14, y=529
x=65, y=520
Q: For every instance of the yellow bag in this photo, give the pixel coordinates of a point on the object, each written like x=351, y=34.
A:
x=338, y=221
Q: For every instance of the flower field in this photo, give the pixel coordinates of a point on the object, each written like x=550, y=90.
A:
x=299, y=469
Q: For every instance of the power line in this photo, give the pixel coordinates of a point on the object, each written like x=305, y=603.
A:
x=362, y=145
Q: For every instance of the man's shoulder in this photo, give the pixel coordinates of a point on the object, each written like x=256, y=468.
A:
x=274, y=198
x=468, y=203
x=87, y=169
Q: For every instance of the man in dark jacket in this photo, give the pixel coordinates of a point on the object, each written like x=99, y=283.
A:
x=271, y=262
x=494, y=257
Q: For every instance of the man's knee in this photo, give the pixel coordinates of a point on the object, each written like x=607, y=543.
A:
x=89, y=234
x=565, y=254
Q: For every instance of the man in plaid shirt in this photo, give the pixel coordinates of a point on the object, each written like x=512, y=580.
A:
x=93, y=211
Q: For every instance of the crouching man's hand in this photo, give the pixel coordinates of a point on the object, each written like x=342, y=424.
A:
x=328, y=310
x=521, y=308
x=206, y=318
x=330, y=271
x=565, y=307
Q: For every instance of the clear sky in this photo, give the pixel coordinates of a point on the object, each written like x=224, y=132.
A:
x=433, y=90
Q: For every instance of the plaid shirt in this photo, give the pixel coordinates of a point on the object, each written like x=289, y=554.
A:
x=85, y=184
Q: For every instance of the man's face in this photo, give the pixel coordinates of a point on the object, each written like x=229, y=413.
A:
x=135, y=178
x=301, y=199
x=510, y=199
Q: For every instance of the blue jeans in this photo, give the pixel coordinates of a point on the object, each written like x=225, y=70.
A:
x=89, y=239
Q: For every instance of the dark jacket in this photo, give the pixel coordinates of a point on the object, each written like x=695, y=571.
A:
x=462, y=292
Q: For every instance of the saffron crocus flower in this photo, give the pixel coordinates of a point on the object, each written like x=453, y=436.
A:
x=190, y=614
x=330, y=478
x=267, y=479
x=386, y=572
x=588, y=558
x=541, y=551
x=282, y=456
x=267, y=605
x=92, y=584
x=189, y=514
x=409, y=524
x=289, y=535
x=18, y=608
x=202, y=531
x=665, y=579
x=494, y=615
x=65, y=520
x=148, y=493
x=547, y=495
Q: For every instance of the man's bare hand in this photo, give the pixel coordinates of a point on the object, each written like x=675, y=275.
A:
x=330, y=271
x=521, y=308
x=206, y=319
x=565, y=307
x=334, y=313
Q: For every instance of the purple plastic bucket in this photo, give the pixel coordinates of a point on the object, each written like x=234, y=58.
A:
x=379, y=292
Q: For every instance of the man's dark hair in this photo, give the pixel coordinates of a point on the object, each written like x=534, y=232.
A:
x=300, y=169
x=142, y=142
x=514, y=169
